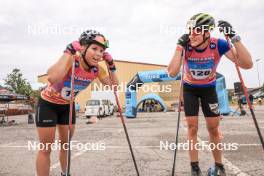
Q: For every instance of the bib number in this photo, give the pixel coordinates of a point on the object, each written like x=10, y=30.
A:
x=66, y=93
x=200, y=74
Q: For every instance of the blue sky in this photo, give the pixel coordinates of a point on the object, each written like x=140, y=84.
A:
x=34, y=33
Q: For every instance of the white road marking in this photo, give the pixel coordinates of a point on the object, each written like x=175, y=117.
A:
x=6, y=145
x=227, y=163
x=54, y=166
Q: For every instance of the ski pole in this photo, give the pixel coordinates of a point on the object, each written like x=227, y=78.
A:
x=178, y=121
x=123, y=122
x=70, y=119
x=245, y=93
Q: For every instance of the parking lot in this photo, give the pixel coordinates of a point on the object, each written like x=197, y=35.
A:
x=109, y=155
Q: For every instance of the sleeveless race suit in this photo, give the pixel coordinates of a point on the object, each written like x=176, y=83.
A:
x=199, y=78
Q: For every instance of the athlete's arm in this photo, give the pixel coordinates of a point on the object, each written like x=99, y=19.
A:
x=244, y=57
x=58, y=70
x=175, y=63
x=239, y=50
x=105, y=79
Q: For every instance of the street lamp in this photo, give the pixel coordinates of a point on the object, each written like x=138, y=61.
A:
x=258, y=71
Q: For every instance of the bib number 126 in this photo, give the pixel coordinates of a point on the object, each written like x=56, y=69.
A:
x=200, y=74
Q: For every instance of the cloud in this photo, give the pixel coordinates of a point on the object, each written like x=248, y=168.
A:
x=137, y=30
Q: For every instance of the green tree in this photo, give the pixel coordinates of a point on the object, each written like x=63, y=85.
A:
x=16, y=83
x=262, y=88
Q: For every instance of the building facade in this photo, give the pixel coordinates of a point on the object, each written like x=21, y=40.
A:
x=126, y=70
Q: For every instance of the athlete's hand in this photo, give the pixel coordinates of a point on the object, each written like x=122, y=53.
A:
x=183, y=40
x=226, y=28
x=109, y=60
x=73, y=47
x=107, y=57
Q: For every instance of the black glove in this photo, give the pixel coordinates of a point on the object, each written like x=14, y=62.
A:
x=70, y=48
x=226, y=28
x=183, y=40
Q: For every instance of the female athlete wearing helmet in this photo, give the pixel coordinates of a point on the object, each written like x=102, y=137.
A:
x=202, y=55
x=53, y=105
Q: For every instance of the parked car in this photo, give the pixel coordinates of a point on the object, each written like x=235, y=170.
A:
x=94, y=108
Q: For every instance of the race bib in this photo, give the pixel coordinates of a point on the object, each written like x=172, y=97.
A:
x=200, y=69
x=66, y=93
x=200, y=74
